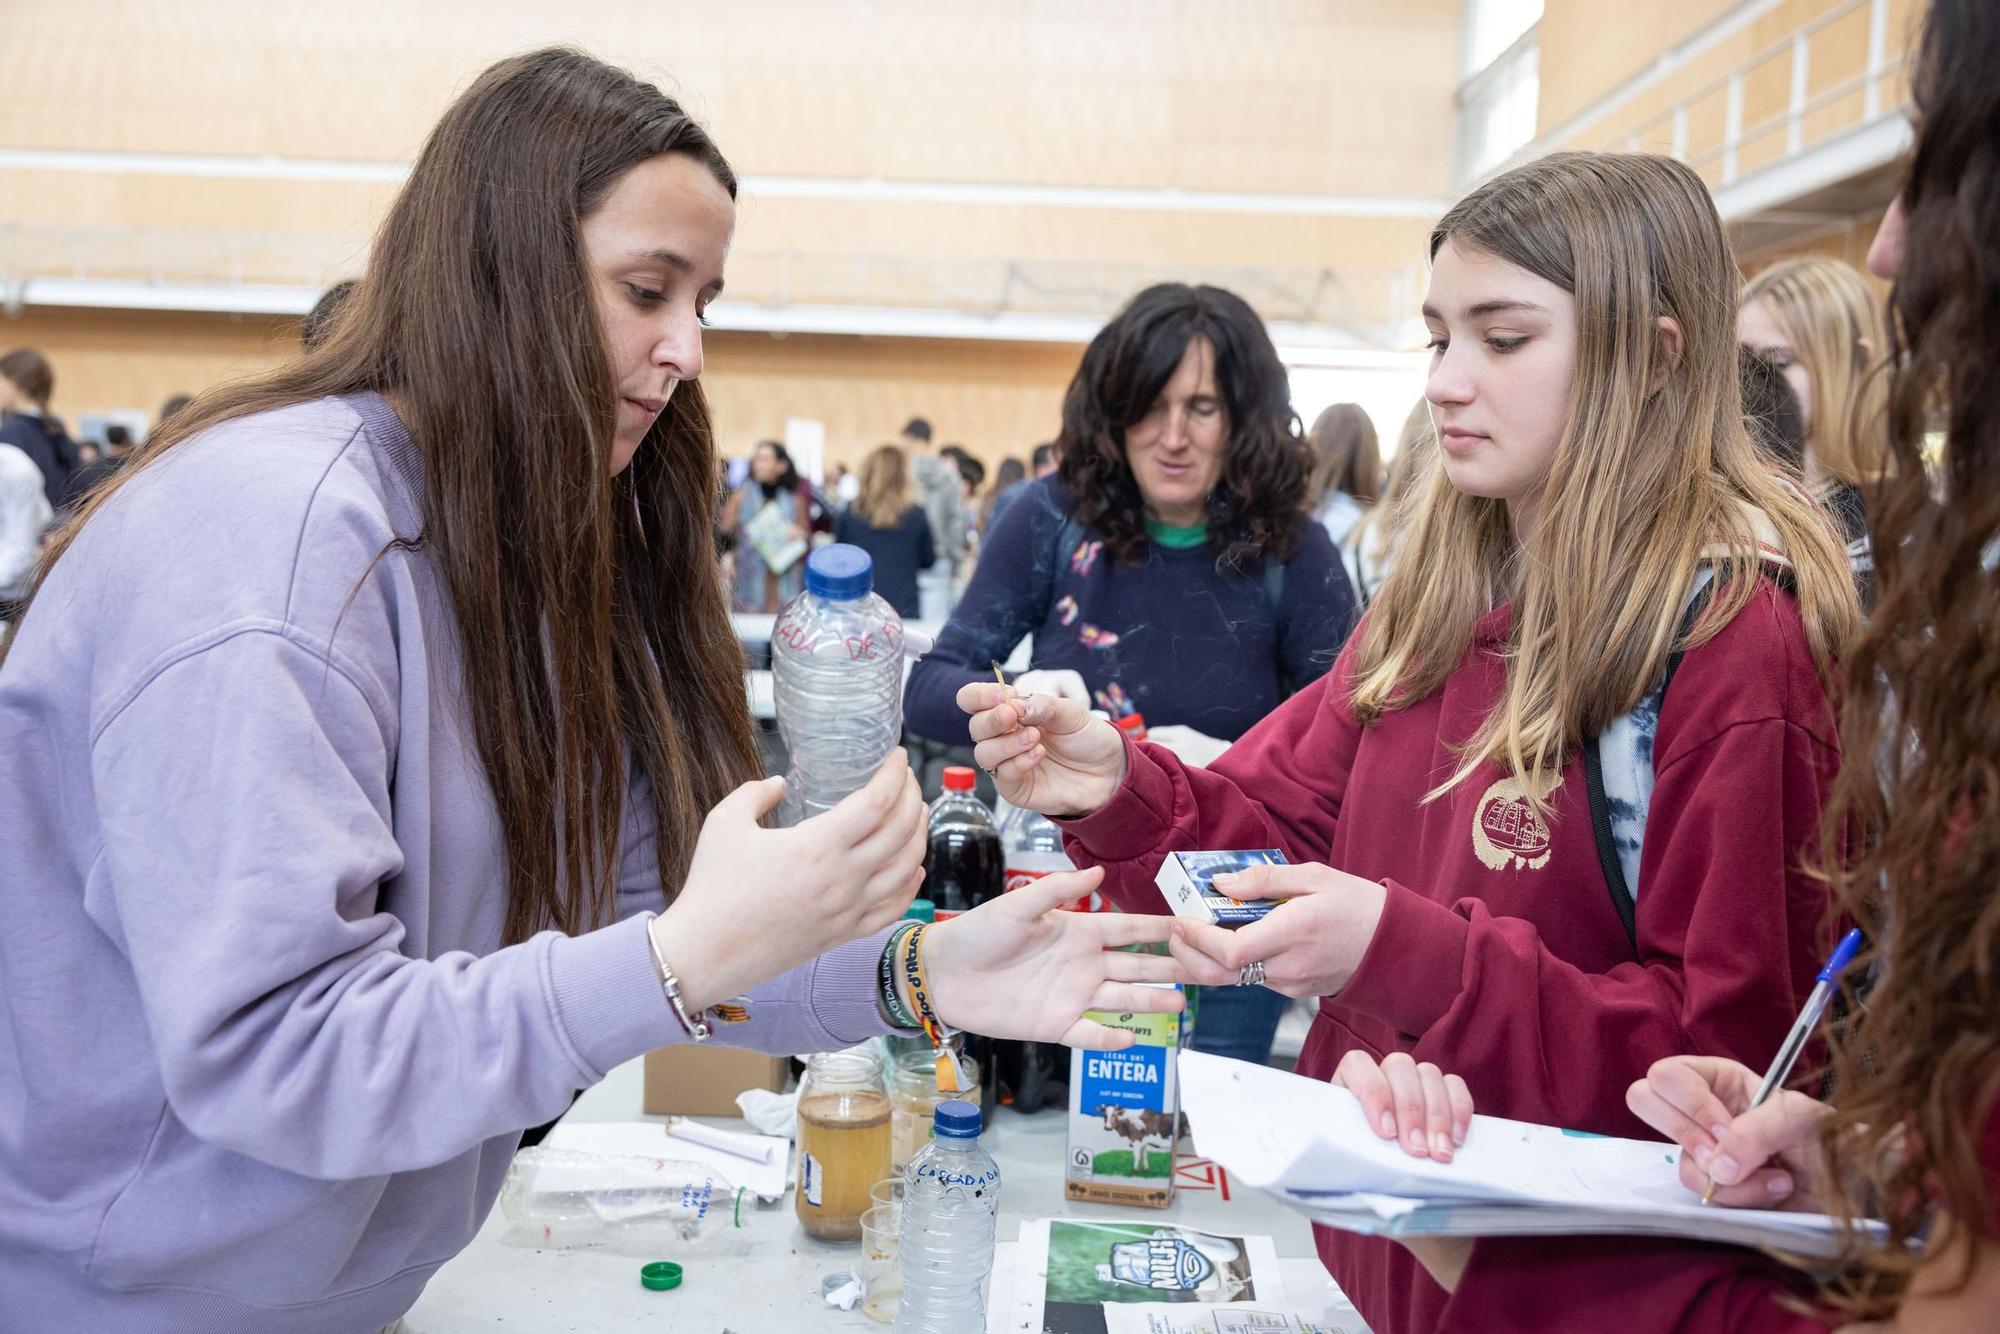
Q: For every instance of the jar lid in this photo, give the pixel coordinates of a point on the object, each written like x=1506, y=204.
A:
x=660, y=1275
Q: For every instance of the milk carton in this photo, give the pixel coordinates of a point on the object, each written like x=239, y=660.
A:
x=1124, y=1114
x=1185, y=878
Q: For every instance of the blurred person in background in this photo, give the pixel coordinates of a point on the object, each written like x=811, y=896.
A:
x=1771, y=410
x=1008, y=479
x=941, y=491
x=319, y=320
x=1169, y=569
x=27, y=383
x=1346, y=477
x=1818, y=322
x=971, y=476
x=1043, y=461
x=24, y=513
x=1370, y=550
x=117, y=451
x=890, y=526
x=771, y=519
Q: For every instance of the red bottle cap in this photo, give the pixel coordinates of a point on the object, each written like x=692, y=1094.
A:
x=1134, y=723
x=958, y=778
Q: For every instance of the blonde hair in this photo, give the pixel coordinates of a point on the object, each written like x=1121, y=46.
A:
x=1834, y=324
x=1416, y=455
x=1644, y=485
x=885, y=487
x=1347, y=455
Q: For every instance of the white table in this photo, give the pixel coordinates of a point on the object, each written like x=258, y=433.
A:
x=765, y=1279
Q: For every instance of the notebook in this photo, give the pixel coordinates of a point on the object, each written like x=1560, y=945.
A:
x=1307, y=1143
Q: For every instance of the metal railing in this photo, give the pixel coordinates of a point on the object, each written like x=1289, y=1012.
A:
x=1800, y=120
x=1800, y=104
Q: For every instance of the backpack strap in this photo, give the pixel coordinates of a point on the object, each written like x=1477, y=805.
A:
x=1618, y=774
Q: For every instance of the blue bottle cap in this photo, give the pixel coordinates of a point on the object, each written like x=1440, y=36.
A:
x=840, y=573
x=956, y=1118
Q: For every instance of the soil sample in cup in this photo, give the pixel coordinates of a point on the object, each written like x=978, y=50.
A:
x=843, y=1150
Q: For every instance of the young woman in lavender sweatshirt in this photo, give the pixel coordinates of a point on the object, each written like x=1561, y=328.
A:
x=354, y=754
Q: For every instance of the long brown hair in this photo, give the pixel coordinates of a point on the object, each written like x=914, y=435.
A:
x=885, y=487
x=1347, y=453
x=1915, y=1075
x=1258, y=504
x=1642, y=484
x=578, y=595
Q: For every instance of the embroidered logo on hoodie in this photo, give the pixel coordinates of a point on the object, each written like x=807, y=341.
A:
x=1506, y=831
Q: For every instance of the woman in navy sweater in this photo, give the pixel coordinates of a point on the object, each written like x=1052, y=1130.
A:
x=890, y=527
x=1169, y=568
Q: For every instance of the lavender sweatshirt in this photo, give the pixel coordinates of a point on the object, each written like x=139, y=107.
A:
x=263, y=1060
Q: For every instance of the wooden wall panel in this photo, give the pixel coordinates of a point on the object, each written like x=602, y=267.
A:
x=1281, y=95
x=994, y=398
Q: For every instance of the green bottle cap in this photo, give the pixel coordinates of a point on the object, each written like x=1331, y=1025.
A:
x=660, y=1275
x=921, y=910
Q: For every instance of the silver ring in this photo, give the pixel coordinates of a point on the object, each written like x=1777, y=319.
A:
x=1251, y=974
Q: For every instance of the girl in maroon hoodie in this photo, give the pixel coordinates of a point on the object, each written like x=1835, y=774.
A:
x=1914, y=1132
x=1446, y=899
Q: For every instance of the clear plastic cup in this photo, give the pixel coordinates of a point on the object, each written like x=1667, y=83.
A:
x=880, y=1268
x=886, y=1193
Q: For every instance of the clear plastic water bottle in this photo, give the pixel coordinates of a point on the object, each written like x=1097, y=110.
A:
x=837, y=672
x=951, y=1208
x=560, y=1198
x=1034, y=848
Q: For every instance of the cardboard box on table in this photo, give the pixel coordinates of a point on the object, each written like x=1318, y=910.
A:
x=704, y=1080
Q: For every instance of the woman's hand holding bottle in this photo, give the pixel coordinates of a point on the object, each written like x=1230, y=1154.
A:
x=758, y=902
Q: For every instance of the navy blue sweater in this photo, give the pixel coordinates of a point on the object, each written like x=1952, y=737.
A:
x=898, y=553
x=1171, y=636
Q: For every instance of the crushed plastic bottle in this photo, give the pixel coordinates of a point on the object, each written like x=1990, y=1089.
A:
x=560, y=1198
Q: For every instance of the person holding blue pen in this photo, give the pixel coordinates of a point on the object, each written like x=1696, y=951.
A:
x=1911, y=1136
x=1802, y=1032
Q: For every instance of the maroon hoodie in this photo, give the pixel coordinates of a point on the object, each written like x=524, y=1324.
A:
x=1500, y=955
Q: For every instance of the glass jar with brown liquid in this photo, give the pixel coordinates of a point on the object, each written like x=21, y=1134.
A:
x=914, y=1096
x=843, y=1141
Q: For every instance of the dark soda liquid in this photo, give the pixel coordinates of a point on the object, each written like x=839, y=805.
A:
x=962, y=869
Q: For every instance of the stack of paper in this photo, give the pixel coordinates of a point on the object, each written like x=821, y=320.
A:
x=1307, y=1143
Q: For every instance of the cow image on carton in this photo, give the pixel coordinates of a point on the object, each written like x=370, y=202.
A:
x=1124, y=1114
x=1186, y=881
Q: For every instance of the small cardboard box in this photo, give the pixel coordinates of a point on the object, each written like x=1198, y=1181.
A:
x=1185, y=879
x=1124, y=1114
x=704, y=1081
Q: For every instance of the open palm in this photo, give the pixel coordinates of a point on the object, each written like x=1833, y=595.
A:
x=1018, y=967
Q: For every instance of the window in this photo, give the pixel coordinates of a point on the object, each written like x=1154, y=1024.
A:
x=1498, y=96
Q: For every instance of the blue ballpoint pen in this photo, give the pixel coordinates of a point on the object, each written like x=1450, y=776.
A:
x=1808, y=1020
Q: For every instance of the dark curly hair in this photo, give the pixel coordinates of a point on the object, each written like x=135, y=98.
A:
x=1258, y=504
x=1917, y=1072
